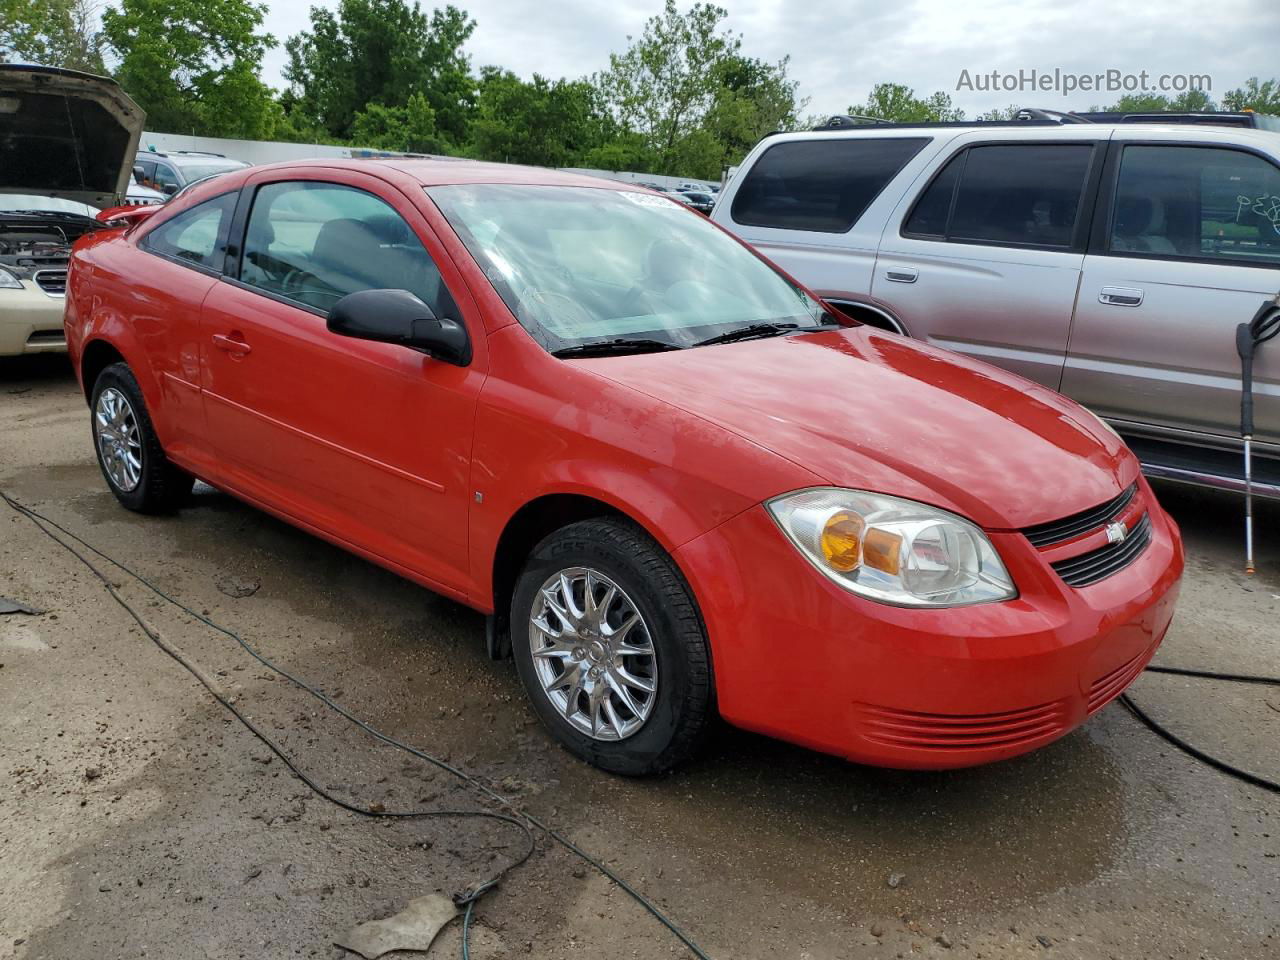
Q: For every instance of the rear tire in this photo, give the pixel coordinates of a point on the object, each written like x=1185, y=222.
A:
x=623, y=679
x=128, y=450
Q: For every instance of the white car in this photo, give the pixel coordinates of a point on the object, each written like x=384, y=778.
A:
x=51, y=189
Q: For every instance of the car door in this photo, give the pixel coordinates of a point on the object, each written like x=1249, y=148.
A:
x=368, y=443
x=166, y=291
x=1185, y=248
x=985, y=259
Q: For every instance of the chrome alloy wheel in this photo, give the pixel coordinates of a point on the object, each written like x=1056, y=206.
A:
x=119, y=445
x=593, y=654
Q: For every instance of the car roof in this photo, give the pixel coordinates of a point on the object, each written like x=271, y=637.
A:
x=1030, y=130
x=442, y=171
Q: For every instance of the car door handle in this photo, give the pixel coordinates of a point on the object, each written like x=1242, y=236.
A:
x=902, y=274
x=1121, y=296
x=232, y=344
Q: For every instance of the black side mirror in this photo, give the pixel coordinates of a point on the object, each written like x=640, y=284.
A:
x=138, y=174
x=169, y=189
x=397, y=316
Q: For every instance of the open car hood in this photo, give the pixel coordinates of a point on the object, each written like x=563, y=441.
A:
x=66, y=134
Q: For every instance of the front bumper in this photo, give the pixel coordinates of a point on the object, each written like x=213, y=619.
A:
x=799, y=658
x=30, y=321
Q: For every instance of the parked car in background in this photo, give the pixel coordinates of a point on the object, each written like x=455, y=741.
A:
x=700, y=200
x=673, y=479
x=1112, y=262
x=51, y=187
x=139, y=195
x=171, y=171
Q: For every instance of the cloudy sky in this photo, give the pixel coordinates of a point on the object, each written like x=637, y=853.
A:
x=839, y=49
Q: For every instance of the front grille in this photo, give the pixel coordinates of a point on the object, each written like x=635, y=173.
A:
x=52, y=282
x=1105, y=689
x=1103, y=562
x=947, y=732
x=1068, y=528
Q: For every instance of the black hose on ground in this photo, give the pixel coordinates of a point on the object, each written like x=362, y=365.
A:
x=516, y=817
x=1172, y=738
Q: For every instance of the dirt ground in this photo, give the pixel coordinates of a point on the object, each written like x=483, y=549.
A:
x=136, y=819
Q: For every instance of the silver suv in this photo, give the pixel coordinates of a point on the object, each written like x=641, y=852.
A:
x=1112, y=262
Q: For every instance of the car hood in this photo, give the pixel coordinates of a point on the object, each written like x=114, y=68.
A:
x=66, y=134
x=874, y=411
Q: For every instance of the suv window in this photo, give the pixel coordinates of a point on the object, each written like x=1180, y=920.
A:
x=314, y=243
x=195, y=236
x=165, y=177
x=1197, y=203
x=1022, y=194
x=820, y=185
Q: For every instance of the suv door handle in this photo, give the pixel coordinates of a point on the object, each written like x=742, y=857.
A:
x=902, y=274
x=232, y=344
x=1121, y=296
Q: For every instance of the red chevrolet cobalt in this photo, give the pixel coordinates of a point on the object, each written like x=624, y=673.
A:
x=674, y=480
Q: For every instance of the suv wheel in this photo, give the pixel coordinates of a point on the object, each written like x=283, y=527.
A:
x=610, y=648
x=129, y=453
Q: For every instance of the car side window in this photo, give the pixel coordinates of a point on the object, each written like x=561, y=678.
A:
x=821, y=185
x=165, y=177
x=196, y=236
x=932, y=211
x=314, y=243
x=1197, y=203
x=1024, y=194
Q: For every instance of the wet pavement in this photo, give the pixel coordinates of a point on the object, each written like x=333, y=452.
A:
x=137, y=819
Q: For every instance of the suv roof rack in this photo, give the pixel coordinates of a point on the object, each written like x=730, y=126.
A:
x=1052, y=116
x=196, y=153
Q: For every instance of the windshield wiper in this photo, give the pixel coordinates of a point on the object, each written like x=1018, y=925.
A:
x=604, y=348
x=753, y=331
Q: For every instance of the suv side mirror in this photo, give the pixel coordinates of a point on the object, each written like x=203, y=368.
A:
x=399, y=317
x=169, y=189
x=138, y=175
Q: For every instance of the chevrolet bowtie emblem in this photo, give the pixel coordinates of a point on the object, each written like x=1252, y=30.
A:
x=1116, y=532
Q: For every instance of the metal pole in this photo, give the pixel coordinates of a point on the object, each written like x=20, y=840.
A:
x=1248, y=506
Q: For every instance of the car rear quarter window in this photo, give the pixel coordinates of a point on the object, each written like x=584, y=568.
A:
x=196, y=236
x=820, y=185
x=1197, y=203
x=1020, y=194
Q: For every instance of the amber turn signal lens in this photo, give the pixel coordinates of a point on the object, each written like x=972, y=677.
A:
x=842, y=541
x=882, y=551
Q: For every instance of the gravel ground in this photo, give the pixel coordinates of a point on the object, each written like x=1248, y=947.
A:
x=137, y=819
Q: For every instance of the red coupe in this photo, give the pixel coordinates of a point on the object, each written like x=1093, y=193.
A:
x=676, y=482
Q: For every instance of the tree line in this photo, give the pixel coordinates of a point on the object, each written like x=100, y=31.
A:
x=683, y=98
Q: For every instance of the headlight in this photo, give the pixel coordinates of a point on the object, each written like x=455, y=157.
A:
x=892, y=550
x=9, y=281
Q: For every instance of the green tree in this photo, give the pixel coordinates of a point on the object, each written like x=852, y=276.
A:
x=663, y=86
x=552, y=123
x=409, y=129
x=1000, y=113
x=382, y=52
x=1260, y=97
x=752, y=98
x=898, y=103
x=1190, y=101
x=57, y=33
x=193, y=64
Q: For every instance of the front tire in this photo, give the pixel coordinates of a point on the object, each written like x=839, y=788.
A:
x=611, y=649
x=128, y=450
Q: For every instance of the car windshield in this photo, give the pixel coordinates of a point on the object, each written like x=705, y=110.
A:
x=581, y=265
